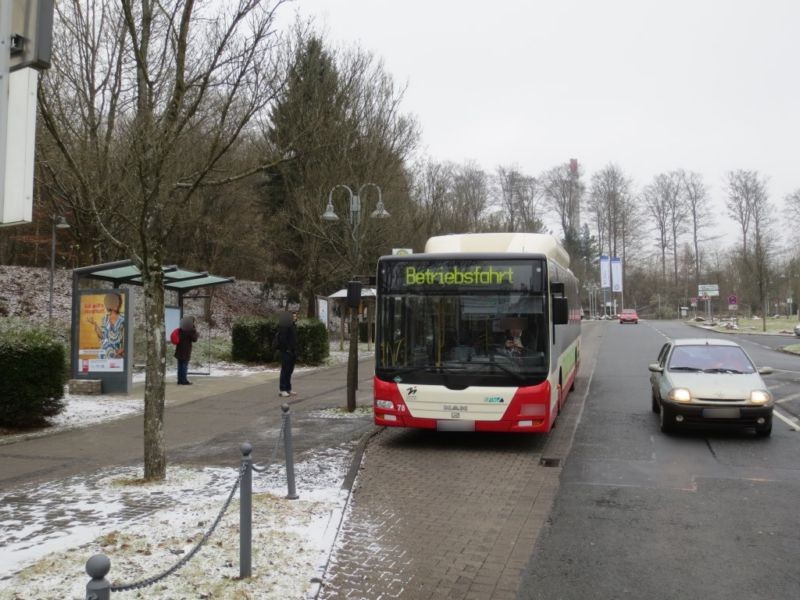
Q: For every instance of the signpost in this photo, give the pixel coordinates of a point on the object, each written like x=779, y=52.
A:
x=707, y=291
x=25, y=47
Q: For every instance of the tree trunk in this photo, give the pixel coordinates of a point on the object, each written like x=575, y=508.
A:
x=155, y=458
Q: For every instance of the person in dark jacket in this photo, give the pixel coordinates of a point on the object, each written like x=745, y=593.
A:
x=287, y=344
x=183, y=350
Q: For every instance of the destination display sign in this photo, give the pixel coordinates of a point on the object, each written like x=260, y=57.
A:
x=456, y=275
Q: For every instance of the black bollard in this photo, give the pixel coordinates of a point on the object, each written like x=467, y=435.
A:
x=97, y=567
x=246, y=513
x=289, y=452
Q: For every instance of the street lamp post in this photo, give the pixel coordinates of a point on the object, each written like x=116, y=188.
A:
x=355, y=211
x=58, y=223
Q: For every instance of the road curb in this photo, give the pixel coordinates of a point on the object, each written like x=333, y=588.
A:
x=358, y=455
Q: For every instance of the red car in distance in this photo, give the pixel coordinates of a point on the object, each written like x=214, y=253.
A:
x=628, y=315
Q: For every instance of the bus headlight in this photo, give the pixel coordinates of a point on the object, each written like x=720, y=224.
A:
x=759, y=397
x=680, y=395
x=384, y=404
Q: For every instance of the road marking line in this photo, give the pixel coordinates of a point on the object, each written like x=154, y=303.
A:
x=789, y=397
x=790, y=421
x=785, y=371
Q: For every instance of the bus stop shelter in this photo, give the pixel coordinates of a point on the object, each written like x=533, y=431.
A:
x=103, y=324
x=368, y=298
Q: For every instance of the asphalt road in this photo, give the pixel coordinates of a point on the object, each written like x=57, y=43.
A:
x=639, y=514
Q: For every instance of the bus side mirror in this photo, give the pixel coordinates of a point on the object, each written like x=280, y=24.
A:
x=560, y=311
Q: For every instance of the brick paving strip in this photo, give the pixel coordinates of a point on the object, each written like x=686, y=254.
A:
x=435, y=515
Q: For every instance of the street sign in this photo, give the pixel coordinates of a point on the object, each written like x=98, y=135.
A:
x=732, y=299
x=708, y=289
x=693, y=302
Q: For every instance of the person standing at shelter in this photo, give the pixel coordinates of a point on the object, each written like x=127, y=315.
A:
x=183, y=350
x=287, y=344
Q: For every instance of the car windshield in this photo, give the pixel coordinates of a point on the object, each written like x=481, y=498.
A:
x=628, y=311
x=710, y=359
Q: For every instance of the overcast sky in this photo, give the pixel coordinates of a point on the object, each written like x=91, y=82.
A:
x=650, y=85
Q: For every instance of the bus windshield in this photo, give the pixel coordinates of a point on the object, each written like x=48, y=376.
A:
x=463, y=336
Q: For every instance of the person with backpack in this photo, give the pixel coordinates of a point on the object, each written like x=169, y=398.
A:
x=187, y=335
x=286, y=342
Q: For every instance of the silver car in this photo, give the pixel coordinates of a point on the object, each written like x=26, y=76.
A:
x=709, y=382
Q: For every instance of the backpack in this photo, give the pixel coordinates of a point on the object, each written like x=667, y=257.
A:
x=175, y=336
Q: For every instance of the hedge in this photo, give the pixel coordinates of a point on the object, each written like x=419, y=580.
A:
x=32, y=363
x=252, y=337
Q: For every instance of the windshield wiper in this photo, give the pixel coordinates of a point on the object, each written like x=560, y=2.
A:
x=406, y=370
x=722, y=370
x=690, y=369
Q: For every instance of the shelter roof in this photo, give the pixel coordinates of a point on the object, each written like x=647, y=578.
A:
x=365, y=293
x=126, y=272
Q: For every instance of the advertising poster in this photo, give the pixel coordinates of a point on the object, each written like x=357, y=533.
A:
x=616, y=274
x=605, y=272
x=101, y=333
x=322, y=310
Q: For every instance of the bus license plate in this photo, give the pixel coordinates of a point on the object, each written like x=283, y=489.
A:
x=721, y=413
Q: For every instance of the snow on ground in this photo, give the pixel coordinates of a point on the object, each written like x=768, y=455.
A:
x=51, y=530
x=291, y=538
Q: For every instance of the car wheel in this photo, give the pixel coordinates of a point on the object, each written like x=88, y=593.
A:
x=664, y=420
x=654, y=401
x=636, y=322
x=764, y=430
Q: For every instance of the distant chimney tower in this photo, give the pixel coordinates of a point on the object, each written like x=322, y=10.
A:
x=573, y=165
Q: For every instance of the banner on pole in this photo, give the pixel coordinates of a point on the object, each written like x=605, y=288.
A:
x=605, y=272
x=616, y=274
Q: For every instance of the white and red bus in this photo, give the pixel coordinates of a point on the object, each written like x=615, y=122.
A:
x=481, y=332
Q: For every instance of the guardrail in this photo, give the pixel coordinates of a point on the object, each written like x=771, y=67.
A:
x=99, y=565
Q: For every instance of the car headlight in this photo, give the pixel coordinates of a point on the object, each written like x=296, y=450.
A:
x=680, y=395
x=760, y=397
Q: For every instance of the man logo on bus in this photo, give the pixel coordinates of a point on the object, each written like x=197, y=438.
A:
x=412, y=391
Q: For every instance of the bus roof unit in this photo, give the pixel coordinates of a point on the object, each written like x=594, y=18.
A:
x=539, y=243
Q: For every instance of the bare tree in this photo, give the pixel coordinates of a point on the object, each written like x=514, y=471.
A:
x=742, y=187
x=658, y=208
x=609, y=188
x=792, y=202
x=695, y=196
x=670, y=185
x=665, y=203
x=432, y=191
x=470, y=197
x=144, y=104
x=519, y=197
x=563, y=191
x=748, y=204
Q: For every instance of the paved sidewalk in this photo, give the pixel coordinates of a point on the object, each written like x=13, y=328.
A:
x=204, y=424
